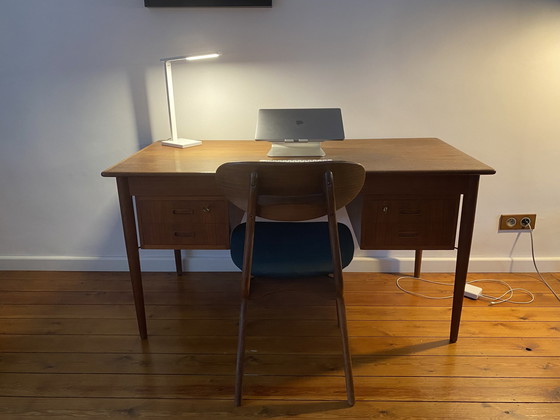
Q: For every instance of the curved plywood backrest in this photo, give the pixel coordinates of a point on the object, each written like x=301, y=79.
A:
x=290, y=190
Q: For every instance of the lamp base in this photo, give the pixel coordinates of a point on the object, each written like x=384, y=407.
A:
x=181, y=143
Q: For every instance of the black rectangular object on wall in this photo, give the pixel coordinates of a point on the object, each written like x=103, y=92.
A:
x=208, y=3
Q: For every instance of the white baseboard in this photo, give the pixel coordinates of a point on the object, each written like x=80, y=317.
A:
x=220, y=261
x=447, y=265
x=156, y=262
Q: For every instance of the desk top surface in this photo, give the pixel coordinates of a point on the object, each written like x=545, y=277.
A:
x=410, y=155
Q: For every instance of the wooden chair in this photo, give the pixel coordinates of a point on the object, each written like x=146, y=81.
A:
x=291, y=192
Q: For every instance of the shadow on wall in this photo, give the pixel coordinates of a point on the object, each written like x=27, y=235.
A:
x=137, y=84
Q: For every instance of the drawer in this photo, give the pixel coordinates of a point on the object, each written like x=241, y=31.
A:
x=186, y=235
x=171, y=223
x=409, y=222
x=174, y=211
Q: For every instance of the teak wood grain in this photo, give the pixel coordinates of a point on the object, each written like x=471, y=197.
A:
x=410, y=155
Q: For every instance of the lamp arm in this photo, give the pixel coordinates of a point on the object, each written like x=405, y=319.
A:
x=170, y=100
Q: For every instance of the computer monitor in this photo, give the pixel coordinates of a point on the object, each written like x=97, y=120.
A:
x=299, y=131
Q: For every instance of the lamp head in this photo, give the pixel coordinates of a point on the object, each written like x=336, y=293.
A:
x=191, y=57
x=202, y=57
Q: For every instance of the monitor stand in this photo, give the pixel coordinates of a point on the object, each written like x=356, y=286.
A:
x=279, y=149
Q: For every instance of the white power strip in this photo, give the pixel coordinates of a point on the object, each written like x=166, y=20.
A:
x=472, y=292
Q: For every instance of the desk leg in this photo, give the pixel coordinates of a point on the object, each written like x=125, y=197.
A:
x=178, y=262
x=131, y=242
x=417, y=262
x=463, y=254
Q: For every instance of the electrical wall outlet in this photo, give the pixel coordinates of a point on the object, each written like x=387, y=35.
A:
x=517, y=221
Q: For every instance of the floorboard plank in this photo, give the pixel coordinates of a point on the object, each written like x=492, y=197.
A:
x=480, y=312
x=281, y=328
x=294, y=297
x=322, y=388
x=281, y=364
x=70, y=408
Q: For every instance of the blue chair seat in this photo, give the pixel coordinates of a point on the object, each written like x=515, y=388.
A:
x=285, y=249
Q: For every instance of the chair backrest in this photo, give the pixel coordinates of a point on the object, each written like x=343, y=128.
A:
x=290, y=191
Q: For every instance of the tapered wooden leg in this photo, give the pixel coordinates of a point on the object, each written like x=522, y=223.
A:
x=248, y=245
x=417, y=262
x=240, y=353
x=341, y=309
x=463, y=254
x=131, y=242
x=178, y=262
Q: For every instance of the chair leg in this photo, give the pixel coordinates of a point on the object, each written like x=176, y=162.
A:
x=341, y=310
x=240, y=353
x=337, y=315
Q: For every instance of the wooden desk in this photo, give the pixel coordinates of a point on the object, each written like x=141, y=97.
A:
x=410, y=200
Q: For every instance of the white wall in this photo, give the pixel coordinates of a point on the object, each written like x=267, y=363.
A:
x=81, y=87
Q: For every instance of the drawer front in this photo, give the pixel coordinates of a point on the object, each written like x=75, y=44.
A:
x=409, y=222
x=179, y=211
x=172, y=223
x=189, y=235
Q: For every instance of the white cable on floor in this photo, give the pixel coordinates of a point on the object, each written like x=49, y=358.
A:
x=493, y=299
x=504, y=297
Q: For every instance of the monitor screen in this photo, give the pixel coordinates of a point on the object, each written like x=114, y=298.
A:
x=299, y=125
x=299, y=131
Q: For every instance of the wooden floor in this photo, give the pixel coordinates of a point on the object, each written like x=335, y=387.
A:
x=69, y=348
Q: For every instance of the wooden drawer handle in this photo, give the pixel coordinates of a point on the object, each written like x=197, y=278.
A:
x=191, y=211
x=408, y=234
x=385, y=210
x=184, y=234
x=406, y=211
x=183, y=211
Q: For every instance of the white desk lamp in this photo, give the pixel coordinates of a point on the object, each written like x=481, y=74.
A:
x=174, y=140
